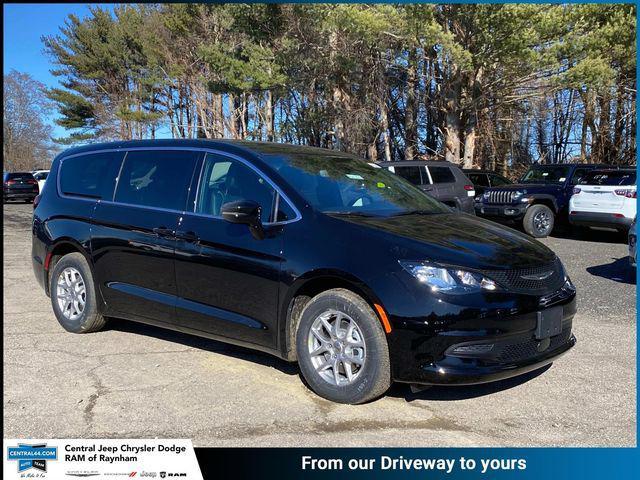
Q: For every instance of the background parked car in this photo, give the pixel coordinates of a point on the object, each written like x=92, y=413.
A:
x=41, y=177
x=483, y=179
x=605, y=198
x=541, y=197
x=442, y=180
x=19, y=186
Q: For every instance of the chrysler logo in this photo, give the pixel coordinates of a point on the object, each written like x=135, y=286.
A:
x=538, y=276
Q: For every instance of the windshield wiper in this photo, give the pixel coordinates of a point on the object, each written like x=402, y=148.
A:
x=350, y=213
x=414, y=212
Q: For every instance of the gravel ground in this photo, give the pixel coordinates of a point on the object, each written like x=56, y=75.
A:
x=138, y=381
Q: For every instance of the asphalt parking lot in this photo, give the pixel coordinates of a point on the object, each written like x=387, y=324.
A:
x=138, y=381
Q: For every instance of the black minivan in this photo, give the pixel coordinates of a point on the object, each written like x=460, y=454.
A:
x=308, y=254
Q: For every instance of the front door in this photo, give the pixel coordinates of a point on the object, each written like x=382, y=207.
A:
x=227, y=279
x=133, y=238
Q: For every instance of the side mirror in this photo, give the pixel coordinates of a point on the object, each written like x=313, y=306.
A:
x=246, y=212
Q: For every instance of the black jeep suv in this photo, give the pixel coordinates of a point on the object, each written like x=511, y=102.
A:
x=541, y=196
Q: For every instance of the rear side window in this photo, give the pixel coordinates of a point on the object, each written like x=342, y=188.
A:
x=156, y=178
x=442, y=175
x=613, y=178
x=410, y=173
x=91, y=176
x=41, y=176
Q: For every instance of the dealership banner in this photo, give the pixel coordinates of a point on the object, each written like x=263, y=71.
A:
x=418, y=463
x=90, y=458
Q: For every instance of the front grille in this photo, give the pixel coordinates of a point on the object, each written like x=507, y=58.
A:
x=515, y=281
x=500, y=196
x=529, y=349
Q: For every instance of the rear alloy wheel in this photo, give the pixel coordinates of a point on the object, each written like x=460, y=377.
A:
x=342, y=348
x=539, y=221
x=73, y=295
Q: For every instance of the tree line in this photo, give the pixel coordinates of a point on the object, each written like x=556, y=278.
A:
x=491, y=86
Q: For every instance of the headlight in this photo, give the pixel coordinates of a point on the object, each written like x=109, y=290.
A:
x=485, y=195
x=449, y=280
x=515, y=196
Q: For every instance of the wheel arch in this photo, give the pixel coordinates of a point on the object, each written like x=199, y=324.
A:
x=59, y=249
x=546, y=200
x=304, y=289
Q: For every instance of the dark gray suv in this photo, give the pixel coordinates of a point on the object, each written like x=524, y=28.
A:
x=442, y=180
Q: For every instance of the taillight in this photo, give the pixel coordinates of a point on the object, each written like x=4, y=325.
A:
x=32, y=182
x=576, y=190
x=11, y=182
x=468, y=188
x=36, y=201
x=622, y=193
x=631, y=194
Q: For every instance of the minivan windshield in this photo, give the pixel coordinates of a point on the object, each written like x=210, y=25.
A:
x=340, y=184
x=546, y=174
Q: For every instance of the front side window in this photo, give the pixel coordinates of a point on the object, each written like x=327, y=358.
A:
x=342, y=184
x=91, y=176
x=154, y=178
x=546, y=174
x=442, y=175
x=224, y=180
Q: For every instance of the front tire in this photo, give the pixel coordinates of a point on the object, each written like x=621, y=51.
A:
x=342, y=349
x=73, y=295
x=538, y=221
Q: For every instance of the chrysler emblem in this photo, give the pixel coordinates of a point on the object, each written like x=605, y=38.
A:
x=538, y=276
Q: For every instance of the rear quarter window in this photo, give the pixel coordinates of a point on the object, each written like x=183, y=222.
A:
x=91, y=176
x=442, y=175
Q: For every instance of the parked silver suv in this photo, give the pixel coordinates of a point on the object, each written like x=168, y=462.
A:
x=442, y=180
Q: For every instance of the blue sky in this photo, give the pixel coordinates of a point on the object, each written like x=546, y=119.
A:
x=24, y=24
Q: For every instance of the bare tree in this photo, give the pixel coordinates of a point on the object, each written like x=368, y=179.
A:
x=27, y=135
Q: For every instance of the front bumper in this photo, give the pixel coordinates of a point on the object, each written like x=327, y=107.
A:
x=502, y=212
x=599, y=219
x=422, y=351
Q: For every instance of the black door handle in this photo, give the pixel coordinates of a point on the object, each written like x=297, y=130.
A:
x=187, y=236
x=164, y=232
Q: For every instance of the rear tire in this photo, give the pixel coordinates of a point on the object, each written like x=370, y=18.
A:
x=538, y=221
x=342, y=349
x=73, y=295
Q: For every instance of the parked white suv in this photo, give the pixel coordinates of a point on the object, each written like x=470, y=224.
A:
x=605, y=198
x=41, y=177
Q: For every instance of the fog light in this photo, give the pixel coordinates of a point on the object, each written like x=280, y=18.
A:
x=510, y=211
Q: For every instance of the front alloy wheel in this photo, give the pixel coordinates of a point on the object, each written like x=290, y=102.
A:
x=342, y=348
x=337, y=348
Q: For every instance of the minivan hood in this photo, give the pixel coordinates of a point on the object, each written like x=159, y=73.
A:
x=458, y=239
